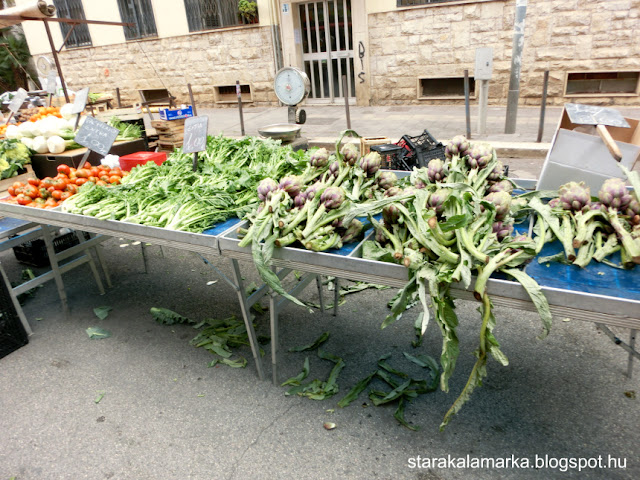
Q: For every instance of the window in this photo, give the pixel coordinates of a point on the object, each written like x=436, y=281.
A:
x=207, y=14
x=446, y=87
x=140, y=13
x=78, y=35
x=408, y=3
x=598, y=83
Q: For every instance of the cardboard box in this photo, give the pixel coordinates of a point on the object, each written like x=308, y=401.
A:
x=578, y=153
x=45, y=165
x=167, y=114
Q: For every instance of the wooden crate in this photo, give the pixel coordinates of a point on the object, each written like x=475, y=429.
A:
x=367, y=142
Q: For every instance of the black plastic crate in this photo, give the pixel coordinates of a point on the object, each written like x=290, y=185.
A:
x=12, y=333
x=394, y=157
x=425, y=156
x=424, y=141
x=34, y=253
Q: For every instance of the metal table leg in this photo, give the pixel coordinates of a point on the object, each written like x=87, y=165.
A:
x=55, y=268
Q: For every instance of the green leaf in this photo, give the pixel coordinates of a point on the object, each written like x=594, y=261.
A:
x=168, y=317
x=392, y=395
x=102, y=312
x=239, y=363
x=422, y=360
x=99, y=397
x=455, y=222
x=385, y=366
x=98, y=333
x=312, y=346
x=297, y=380
x=399, y=416
x=355, y=391
x=536, y=295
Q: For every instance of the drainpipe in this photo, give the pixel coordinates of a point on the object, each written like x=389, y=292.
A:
x=275, y=34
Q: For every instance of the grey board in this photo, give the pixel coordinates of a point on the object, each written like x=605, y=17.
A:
x=594, y=115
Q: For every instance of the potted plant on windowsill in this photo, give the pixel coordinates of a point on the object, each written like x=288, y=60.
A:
x=248, y=11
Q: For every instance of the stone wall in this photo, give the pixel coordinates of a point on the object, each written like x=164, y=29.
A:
x=560, y=36
x=204, y=60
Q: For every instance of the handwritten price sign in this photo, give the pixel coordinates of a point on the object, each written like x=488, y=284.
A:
x=80, y=102
x=195, y=134
x=96, y=135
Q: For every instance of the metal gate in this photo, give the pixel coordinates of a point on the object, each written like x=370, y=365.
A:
x=327, y=48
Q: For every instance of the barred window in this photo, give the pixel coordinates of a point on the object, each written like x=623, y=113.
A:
x=408, y=3
x=207, y=14
x=79, y=36
x=140, y=13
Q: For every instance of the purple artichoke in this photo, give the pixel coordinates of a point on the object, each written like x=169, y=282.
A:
x=479, y=156
x=555, y=203
x=299, y=200
x=353, y=231
x=291, y=184
x=370, y=163
x=319, y=158
x=574, y=196
x=614, y=194
x=502, y=229
x=458, y=146
x=390, y=214
x=497, y=173
x=502, y=202
x=265, y=187
x=350, y=153
x=436, y=170
x=393, y=192
x=595, y=206
x=501, y=186
x=334, y=169
x=332, y=197
x=387, y=179
x=633, y=210
x=313, y=190
x=437, y=199
x=380, y=237
x=419, y=183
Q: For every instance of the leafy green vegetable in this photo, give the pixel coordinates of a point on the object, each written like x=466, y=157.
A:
x=312, y=346
x=168, y=317
x=97, y=333
x=102, y=312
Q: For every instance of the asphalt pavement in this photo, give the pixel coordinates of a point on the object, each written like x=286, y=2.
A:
x=143, y=403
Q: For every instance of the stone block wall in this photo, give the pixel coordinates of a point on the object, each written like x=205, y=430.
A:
x=560, y=36
x=204, y=60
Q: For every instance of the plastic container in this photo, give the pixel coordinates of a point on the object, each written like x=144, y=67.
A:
x=127, y=162
x=12, y=333
x=34, y=253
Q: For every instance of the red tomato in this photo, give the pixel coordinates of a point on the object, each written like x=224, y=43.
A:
x=116, y=171
x=87, y=165
x=95, y=172
x=31, y=191
x=72, y=187
x=83, y=173
x=92, y=179
x=80, y=181
x=46, y=182
x=24, y=199
x=101, y=182
x=65, y=169
x=34, y=181
x=59, y=184
x=44, y=193
x=65, y=195
x=56, y=194
x=51, y=202
x=11, y=191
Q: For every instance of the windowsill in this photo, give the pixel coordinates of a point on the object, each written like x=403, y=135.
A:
x=448, y=97
x=444, y=4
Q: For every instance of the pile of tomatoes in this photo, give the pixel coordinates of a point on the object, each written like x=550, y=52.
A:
x=49, y=192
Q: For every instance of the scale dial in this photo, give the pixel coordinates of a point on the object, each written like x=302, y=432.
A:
x=291, y=85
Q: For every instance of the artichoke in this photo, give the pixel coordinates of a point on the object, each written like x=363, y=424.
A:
x=459, y=146
x=497, y=173
x=319, y=158
x=387, y=179
x=380, y=237
x=502, y=202
x=393, y=192
x=501, y=186
x=291, y=184
x=479, y=156
x=299, y=200
x=353, y=231
x=370, y=163
x=437, y=199
x=436, y=170
x=313, y=190
x=332, y=197
x=502, y=229
x=265, y=187
x=390, y=214
x=633, y=210
x=419, y=183
x=350, y=153
x=614, y=194
x=554, y=203
x=334, y=168
x=574, y=196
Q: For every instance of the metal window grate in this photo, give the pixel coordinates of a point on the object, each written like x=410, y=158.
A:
x=140, y=13
x=207, y=14
x=408, y=3
x=80, y=36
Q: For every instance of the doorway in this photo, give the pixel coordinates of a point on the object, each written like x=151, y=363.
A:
x=327, y=48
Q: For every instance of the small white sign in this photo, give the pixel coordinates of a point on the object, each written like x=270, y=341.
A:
x=297, y=37
x=285, y=8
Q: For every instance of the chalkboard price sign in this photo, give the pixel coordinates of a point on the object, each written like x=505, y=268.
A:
x=195, y=134
x=96, y=135
x=17, y=100
x=80, y=102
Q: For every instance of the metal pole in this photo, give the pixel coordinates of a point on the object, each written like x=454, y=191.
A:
x=239, y=94
x=57, y=62
x=346, y=100
x=516, y=65
x=118, y=97
x=466, y=103
x=482, y=106
x=543, y=105
x=193, y=103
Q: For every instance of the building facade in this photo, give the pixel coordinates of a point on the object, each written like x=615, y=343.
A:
x=391, y=52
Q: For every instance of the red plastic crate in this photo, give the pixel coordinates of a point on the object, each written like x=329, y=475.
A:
x=127, y=162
